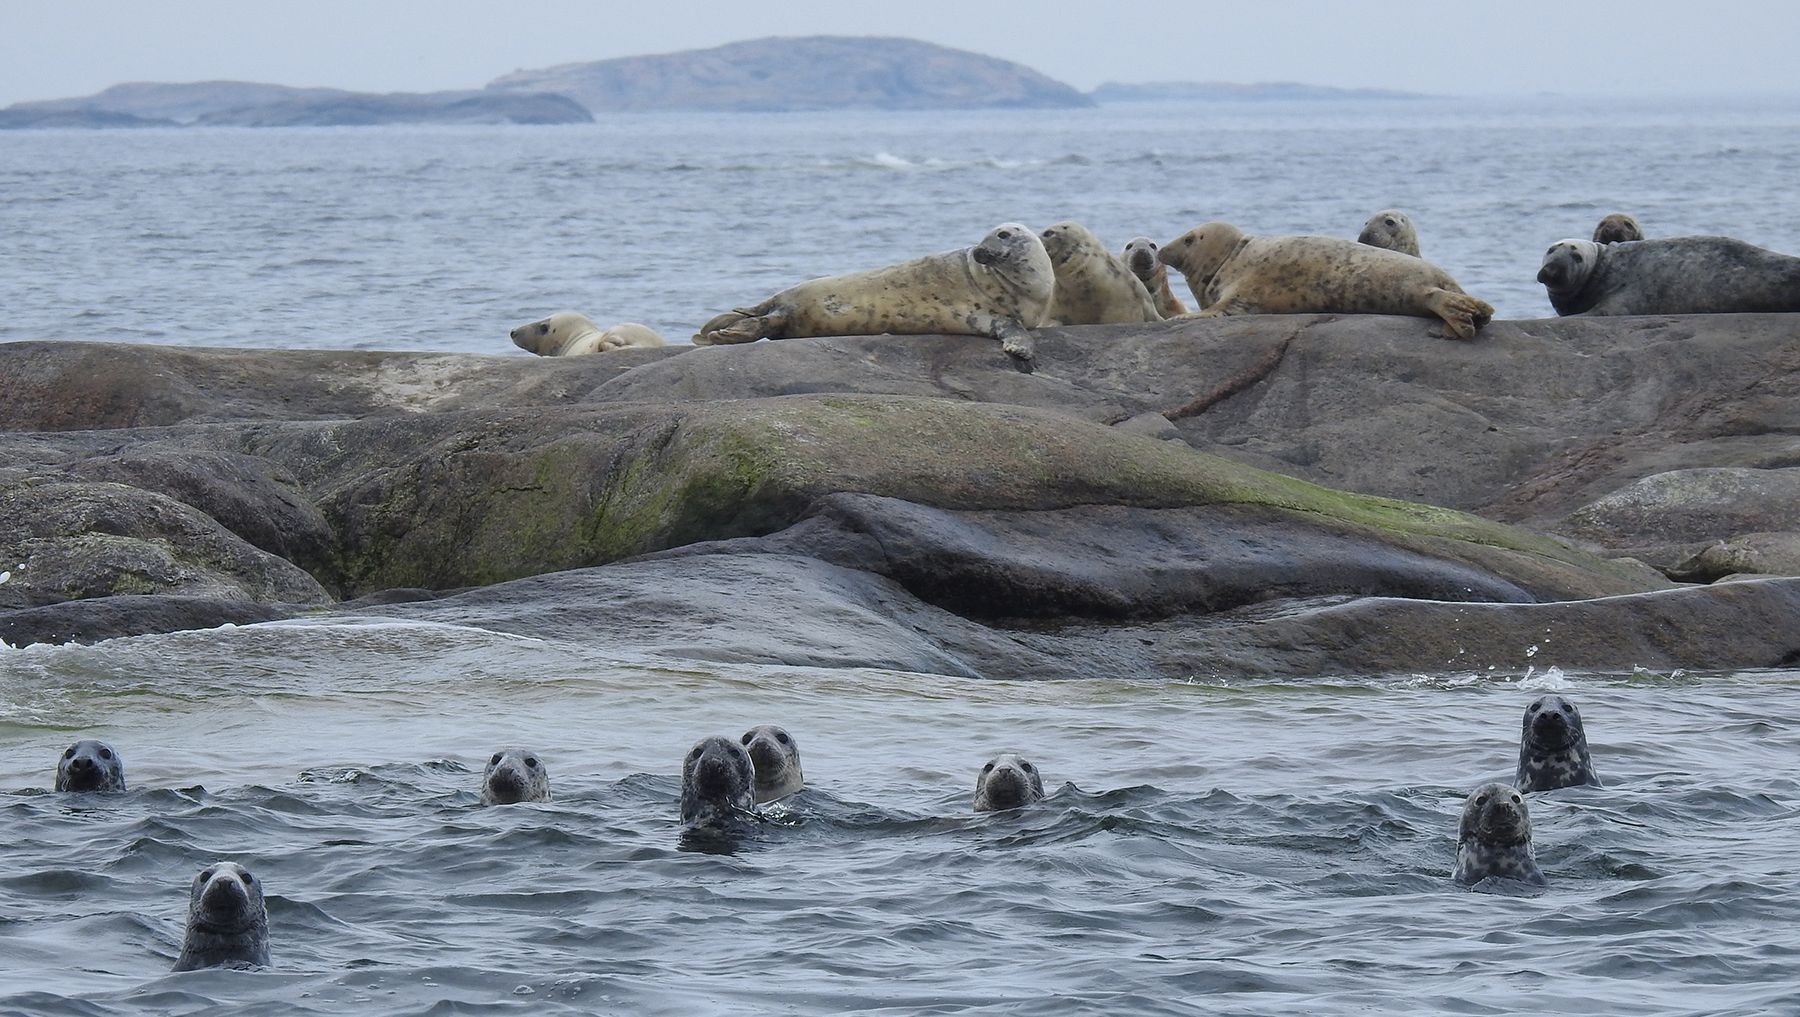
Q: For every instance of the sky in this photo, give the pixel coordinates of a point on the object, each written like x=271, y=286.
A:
x=59, y=48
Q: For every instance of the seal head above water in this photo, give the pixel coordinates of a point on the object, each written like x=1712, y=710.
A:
x=1617, y=228
x=90, y=765
x=1007, y=781
x=227, y=924
x=1553, y=747
x=1392, y=230
x=718, y=783
x=1494, y=838
x=776, y=756
x=513, y=776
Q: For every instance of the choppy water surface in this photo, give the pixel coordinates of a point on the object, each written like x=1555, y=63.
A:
x=1210, y=848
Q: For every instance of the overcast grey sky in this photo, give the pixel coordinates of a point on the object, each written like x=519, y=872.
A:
x=57, y=48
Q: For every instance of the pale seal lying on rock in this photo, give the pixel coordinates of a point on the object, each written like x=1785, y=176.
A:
x=776, y=758
x=571, y=333
x=1007, y=781
x=1392, y=230
x=513, y=776
x=1231, y=273
x=1140, y=257
x=90, y=765
x=999, y=288
x=1553, y=748
x=1617, y=228
x=1093, y=285
x=1669, y=275
x=718, y=783
x=1494, y=838
x=227, y=924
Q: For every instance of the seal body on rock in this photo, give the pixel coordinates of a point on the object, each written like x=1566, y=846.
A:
x=1392, y=230
x=1232, y=273
x=1140, y=257
x=718, y=783
x=1617, y=228
x=570, y=333
x=1494, y=838
x=512, y=776
x=1553, y=748
x=775, y=755
x=90, y=765
x=1007, y=781
x=227, y=924
x=1669, y=275
x=999, y=288
x=1093, y=285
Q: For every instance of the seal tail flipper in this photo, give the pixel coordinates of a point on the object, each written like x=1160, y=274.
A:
x=739, y=326
x=1463, y=315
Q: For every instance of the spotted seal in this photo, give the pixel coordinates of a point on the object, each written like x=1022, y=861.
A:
x=1669, y=275
x=1392, y=230
x=1617, y=228
x=1007, y=781
x=90, y=765
x=1494, y=838
x=1140, y=257
x=571, y=333
x=776, y=757
x=1232, y=273
x=718, y=783
x=227, y=924
x=1553, y=748
x=512, y=776
x=1093, y=285
x=999, y=288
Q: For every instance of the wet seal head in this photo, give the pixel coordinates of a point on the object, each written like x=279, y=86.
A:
x=776, y=757
x=227, y=924
x=718, y=783
x=1617, y=228
x=90, y=765
x=1391, y=229
x=1553, y=747
x=513, y=776
x=1493, y=840
x=1007, y=781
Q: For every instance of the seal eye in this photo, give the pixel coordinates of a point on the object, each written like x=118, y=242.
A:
x=1187, y=241
x=543, y=328
x=105, y=753
x=531, y=762
x=1006, y=234
x=1578, y=257
x=248, y=878
x=206, y=874
x=495, y=761
x=695, y=754
x=1481, y=800
x=987, y=768
x=1028, y=767
x=1390, y=221
x=69, y=753
x=782, y=737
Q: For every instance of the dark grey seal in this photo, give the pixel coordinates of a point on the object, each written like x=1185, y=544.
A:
x=513, y=776
x=1007, y=781
x=90, y=765
x=776, y=757
x=1617, y=228
x=1553, y=748
x=718, y=783
x=1494, y=838
x=1392, y=230
x=1669, y=275
x=227, y=925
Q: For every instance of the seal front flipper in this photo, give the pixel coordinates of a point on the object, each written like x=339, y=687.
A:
x=1016, y=341
x=742, y=325
x=1463, y=315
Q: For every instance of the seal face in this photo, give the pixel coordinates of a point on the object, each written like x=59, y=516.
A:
x=1494, y=838
x=513, y=776
x=1140, y=257
x=1390, y=229
x=1669, y=275
x=90, y=765
x=1007, y=781
x=227, y=925
x=776, y=757
x=1553, y=748
x=571, y=333
x=718, y=783
x=1093, y=285
x=1617, y=228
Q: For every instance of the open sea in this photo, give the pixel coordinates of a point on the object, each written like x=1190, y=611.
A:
x=1219, y=847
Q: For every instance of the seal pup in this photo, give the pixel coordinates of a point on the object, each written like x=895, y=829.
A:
x=1232, y=273
x=1007, y=781
x=1093, y=285
x=776, y=758
x=1617, y=228
x=1553, y=748
x=718, y=783
x=90, y=765
x=513, y=776
x=571, y=333
x=999, y=288
x=227, y=924
x=1669, y=275
x=1494, y=838
x=1390, y=229
x=1140, y=257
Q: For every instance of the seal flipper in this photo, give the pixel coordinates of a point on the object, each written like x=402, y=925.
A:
x=1463, y=315
x=1016, y=341
x=743, y=326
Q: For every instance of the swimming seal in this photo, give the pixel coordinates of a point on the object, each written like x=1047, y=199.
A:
x=1093, y=285
x=227, y=924
x=1392, y=230
x=90, y=765
x=571, y=333
x=1553, y=748
x=1617, y=228
x=718, y=783
x=776, y=758
x=1140, y=257
x=1669, y=275
x=1494, y=838
x=1007, y=781
x=513, y=776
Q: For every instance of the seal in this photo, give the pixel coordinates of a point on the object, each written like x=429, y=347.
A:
x=1392, y=230
x=776, y=757
x=998, y=288
x=1494, y=838
x=1231, y=273
x=227, y=924
x=1553, y=748
x=1007, y=781
x=1093, y=285
x=513, y=776
x=718, y=783
x=1669, y=275
x=1617, y=228
x=571, y=333
x=1140, y=257
x=90, y=765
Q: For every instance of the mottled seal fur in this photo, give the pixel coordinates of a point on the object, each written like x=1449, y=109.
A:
x=513, y=776
x=1093, y=285
x=1392, y=230
x=999, y=288
x=718, y=783
x=1140, y=257
x=1617, y=228
x=1231, y=273
x=1494, y=838
x=1007, y=781
x=1669, y=275
x=571, y=333
x=90, y=765
x=227, y=924
x=1553, y=748
x=776, y=757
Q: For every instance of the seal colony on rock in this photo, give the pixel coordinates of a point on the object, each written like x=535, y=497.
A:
x=1093, y=285
x=513, y=776
x=1493, y=840
x=1232, y=273
x=1007, y=781
x=1617, y=228
x=227, y=923
x=90, y=765
x=1553, y=748
x=999, y=288
x=718, y=784
x=1392, y=230
x=776, y=758
x=1669, y=275
x=571, y=333
x=1140, y=257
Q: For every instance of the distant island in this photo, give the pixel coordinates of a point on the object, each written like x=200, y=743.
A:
x=1217, y=91
x=249, y=104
